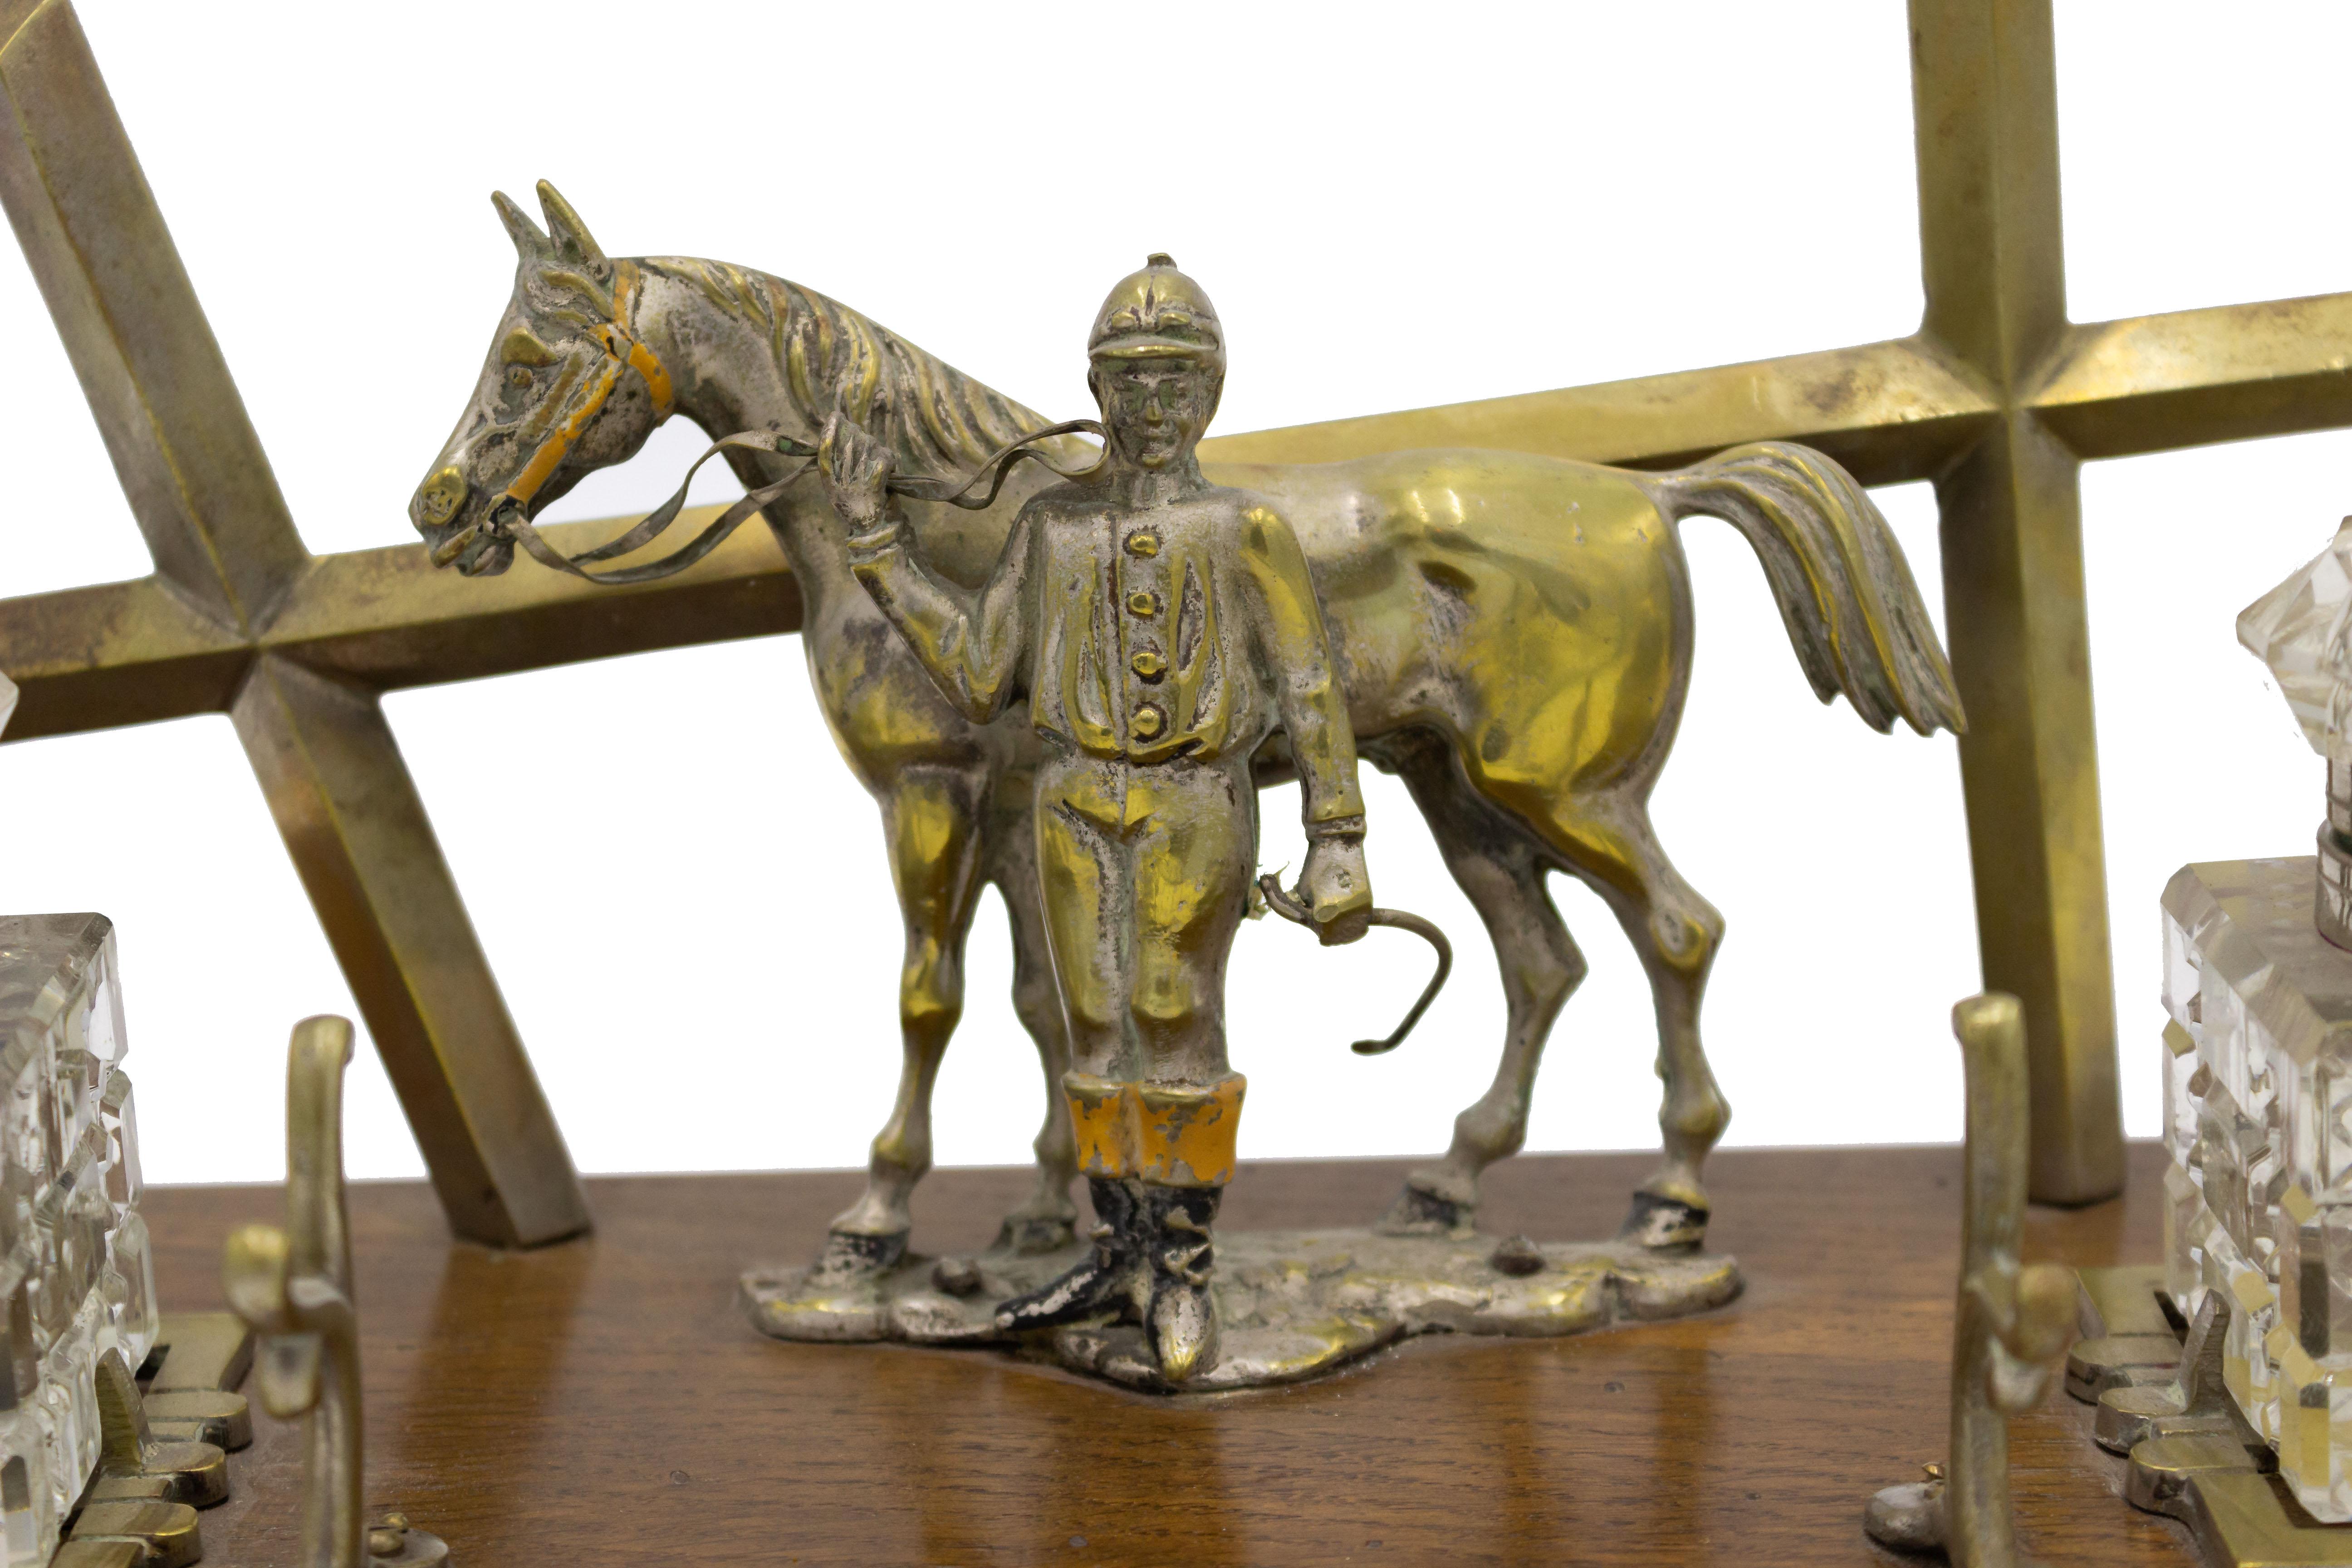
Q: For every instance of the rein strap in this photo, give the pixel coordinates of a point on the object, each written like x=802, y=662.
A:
x=624, y=350
x=509, y=518
x=509, y=515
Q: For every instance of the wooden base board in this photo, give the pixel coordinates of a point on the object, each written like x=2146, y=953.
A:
x=606, y=1400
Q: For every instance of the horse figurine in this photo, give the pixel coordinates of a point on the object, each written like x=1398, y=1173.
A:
x=1513, y=633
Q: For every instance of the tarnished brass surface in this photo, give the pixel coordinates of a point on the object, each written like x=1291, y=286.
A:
x=1160, y=627
x=2193, y=1402
x=165, y=1534
x=2129, y=1341
x=387, y=619
x=2151, y=383
x=195, y=1414
x=1139, y=633
x=1994, y=365
x=152, y=1475
x=293, y=1287
x=2123, y=1301
x=1294, y=1304
x=189, y=639
x=348, y=811
x=2013, y=596
x=2014, y=1323
x=2120, y=1361
x=134, y=1462
x=2238, y=1515
x=203, y=1353
x=1892, y=412
x=199, y=1360
x=1035, y=687
x=2192, y=1456
x=188, y=458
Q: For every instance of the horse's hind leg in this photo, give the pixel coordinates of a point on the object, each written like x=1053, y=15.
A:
x=1501, y=871
x=1676, y=934
x=1044, y=1223
x=932, y=819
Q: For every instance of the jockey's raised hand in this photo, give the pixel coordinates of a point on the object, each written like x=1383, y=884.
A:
x=856, y=470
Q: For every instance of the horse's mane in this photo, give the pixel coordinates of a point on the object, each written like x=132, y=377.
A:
x=936, y=420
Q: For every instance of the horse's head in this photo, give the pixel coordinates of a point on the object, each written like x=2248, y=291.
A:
x=569, y=387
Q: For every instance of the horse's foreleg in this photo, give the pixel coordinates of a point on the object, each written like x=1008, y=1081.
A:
x=1500, y=869
x=1044, y=1223
x=931, y=820
x=1676, y=934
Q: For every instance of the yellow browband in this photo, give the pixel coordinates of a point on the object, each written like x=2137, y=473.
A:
x=624, y=350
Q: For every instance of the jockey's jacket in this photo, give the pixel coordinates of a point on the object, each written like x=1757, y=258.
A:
x=1184, y=630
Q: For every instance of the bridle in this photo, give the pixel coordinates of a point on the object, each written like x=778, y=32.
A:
x=508, y=515
x=623, y=350
x=559, y=421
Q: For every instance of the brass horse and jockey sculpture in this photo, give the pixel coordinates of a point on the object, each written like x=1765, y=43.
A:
x=1160, y=628
x=1509, y=634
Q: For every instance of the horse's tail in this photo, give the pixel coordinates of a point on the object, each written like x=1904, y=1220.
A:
x=1844, y=590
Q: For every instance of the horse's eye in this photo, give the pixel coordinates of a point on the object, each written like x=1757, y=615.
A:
x=518, y=377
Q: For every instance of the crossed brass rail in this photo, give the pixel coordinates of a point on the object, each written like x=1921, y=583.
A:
x=1998, y=399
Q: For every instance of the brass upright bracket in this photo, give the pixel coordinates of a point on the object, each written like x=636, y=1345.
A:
x=2013, y=1323
x=134, y=1464
x=294, y=1287
x=2162, y=1399
x=229, y=566
x=160, y=1452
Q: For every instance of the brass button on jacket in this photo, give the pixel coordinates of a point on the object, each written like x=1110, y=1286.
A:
x=1148, y=664
x=1144, y=543
x=1224, y=605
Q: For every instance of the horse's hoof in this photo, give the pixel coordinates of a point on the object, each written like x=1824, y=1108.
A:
x=1418, y=1213
x=1663, y=1224
x=1034, y=1235
x=849, y=1259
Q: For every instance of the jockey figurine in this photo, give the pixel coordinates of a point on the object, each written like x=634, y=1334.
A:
x=1160, y=627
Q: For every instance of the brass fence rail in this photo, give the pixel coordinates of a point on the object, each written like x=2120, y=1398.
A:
x=1998, y=399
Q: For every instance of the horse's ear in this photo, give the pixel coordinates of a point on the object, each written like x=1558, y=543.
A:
x=529, y=243
x=572, y=241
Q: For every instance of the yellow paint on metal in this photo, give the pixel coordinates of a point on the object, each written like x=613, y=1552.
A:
x=1184, y=1136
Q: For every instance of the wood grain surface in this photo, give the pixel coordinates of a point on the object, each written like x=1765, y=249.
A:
x=603, y=1400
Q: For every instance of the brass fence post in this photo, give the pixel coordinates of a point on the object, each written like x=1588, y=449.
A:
x=1985, y=117
x=227, y=560
x=293, y=1287
x=2011, y=1323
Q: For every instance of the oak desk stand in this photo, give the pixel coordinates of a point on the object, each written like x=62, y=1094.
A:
x=607, y=1402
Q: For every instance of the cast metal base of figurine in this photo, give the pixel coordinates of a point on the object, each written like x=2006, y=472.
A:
x=1291, y=1304
x=2162, y=1402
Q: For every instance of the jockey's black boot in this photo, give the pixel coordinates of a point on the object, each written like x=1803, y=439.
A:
x=1182, y=1319
x=1104, y=1279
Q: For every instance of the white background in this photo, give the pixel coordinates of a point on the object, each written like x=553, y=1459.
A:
x=1391, y=210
